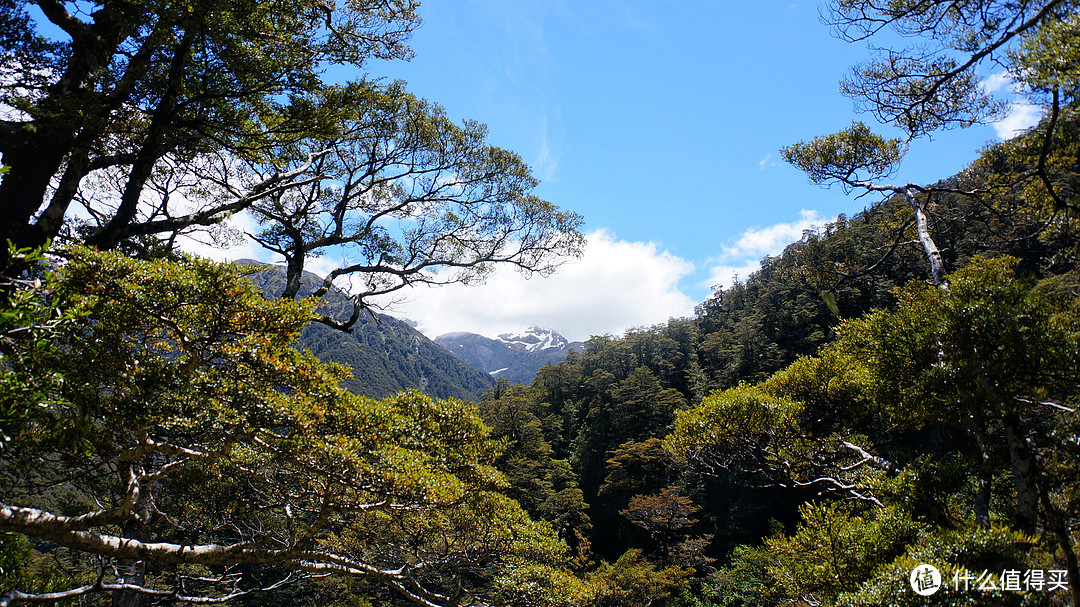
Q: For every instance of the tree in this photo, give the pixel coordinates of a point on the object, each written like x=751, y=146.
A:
x=642, y=408
x=994, y=355
x=166, y=119
x=664, y=516
x=406, y=196
x=632, y=581
x=937, y=84
x=836, y=548
x=201, y=457
x=132, y=84
x=543, y=485
x=857, y=158
x=922, y=413
x=749, y=437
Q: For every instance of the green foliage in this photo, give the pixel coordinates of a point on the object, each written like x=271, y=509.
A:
x=952, y=552
x=936, y=490
x=30, y=321
x=212, y=443
x=533, y=586
x=743, y=431
x=985, y=360
x=545, y=486
x=853, y=155
x=835, y=548
x=645, y=409
x=1047, y=60
x=633, y=582
x=23, y=567
x=637, y=467
x=745, y=581
x=936, y=83
x=224, y=105
x=770, y=330
x=173, y=79
x=989, y=342
x=832, y=388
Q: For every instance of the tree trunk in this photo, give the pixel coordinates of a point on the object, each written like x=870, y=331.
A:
x=1056, y=521
x=31, y=165
x=1024, y=474
x=130, y=571
x=294, y=273
x=133, y=570
x=933, y=255
x=983, y=482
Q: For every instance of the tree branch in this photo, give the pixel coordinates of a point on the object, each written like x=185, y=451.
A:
x=12, y=597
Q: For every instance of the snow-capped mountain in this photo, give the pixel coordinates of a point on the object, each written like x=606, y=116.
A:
x=534, y=339
x=516, y=356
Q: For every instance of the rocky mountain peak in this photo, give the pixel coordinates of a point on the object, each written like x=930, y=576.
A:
x=515, y=356
x=534, y=339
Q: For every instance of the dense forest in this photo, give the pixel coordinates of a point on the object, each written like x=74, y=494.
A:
x=884, y=414
x=820, y=428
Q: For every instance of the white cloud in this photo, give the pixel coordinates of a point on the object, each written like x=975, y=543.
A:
x=742, y=258
x=770, y=240
x=614, y=286
x=767, y=162
x=203, y=244
x=1021, y=117
x=726, y=275
x=996, y=82
x=546, y=162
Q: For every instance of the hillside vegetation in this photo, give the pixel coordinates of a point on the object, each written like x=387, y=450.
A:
x=834, y=418
x=885, y=414
x=385, y=354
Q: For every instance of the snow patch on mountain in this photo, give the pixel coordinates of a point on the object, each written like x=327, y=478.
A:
x=534, y=339
x=515, y=356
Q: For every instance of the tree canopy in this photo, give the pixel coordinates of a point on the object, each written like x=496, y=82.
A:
x=938, y=83
x=201, y=455
x=145, y=122
x=811, y=435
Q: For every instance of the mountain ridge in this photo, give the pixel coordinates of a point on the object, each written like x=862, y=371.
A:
x=515, y=356
x=387, y=355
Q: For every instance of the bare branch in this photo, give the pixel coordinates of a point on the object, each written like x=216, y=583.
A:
x=13, y=597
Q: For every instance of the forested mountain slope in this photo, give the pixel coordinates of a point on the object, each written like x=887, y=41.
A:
x=693, y=440
x=896, y=393
x=385, y=354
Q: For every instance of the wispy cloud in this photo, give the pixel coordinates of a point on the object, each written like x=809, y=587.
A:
x=1021, y=114
x=743, y=257
x=768, y=161
x=546, y=161
x=634, y=20
x=1020, y=117
x=997, y=82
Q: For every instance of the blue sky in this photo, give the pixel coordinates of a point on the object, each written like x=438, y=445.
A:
x=660, y=123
